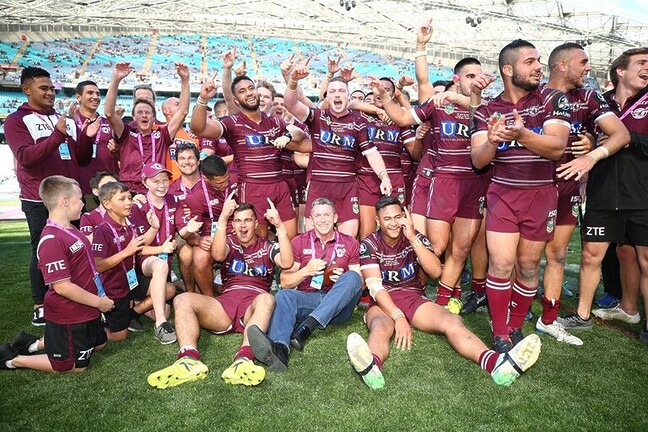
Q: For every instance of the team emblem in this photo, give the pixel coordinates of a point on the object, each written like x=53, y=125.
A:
x=563, y=103
x=340, y=251
x=575, y=210
x=426, y=242
x=551, y=223
x=356, y=208
x=639, y=113
x=401, y=198
x=482, y=202
x=449, y=109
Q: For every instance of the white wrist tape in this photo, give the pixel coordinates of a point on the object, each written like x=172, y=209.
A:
x=375, y=286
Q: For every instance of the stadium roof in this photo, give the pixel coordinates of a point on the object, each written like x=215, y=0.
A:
x=606, y=27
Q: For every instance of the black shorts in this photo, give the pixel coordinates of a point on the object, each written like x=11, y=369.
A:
x=141, y=290
x=119, y=318
x=71, y=345
x=627, y=227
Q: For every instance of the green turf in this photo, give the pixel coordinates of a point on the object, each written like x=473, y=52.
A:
x=597, y=387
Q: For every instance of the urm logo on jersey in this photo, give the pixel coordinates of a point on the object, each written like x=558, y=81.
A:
x=241, y=267
x=255, y=140
x=399, y=275
x=506, y=145
x=328, y=137
x=390, y=135
x=453, y=129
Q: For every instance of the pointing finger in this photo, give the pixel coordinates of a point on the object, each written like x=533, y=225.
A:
x=231, y=195
x=272, y=206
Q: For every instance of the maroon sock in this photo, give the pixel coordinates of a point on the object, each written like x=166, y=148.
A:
x=549, y=310
x=479, y=286
x=488, y=360
x=244, y=351
x=443, y=294
x=498, y=291
x=456, y=292
x=189, y=352
x=521, y=300
x=378, y=362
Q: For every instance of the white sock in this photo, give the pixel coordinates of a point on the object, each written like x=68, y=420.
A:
x=9, y=364
x=33, y=347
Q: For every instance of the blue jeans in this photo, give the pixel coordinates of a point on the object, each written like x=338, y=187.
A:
x=327, y=307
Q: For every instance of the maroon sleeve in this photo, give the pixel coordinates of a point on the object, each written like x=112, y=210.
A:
x=354, y=253
x=364, y=143
x=85, y=224
x=27, y=152
x=84, y=147
x=138, y=219
x=100, y=241
x=52, y=259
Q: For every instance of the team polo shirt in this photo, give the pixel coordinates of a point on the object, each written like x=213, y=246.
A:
x=249, y=267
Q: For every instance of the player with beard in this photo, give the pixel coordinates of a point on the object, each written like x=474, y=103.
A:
x=616, y=198
x=139, y=142
x=390, y=260
x=251, y=133
x=522, y=133
x=339, y=136
x=569, y=65
x=88, y=98
x=457, y=191
x=389, y=139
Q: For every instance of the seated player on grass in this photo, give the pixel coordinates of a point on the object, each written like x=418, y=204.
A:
x=116, y=247
x=248, y=268
x=75, y=298
x=390, y=260
x=91, y=219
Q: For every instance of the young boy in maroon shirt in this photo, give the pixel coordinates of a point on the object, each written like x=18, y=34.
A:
x=90, y=220
x=75, y=298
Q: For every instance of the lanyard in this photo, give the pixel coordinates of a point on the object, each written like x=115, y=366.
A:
x=49, y=120
x=80, y=126
x=633, y=106
x=167, y=222
x=141, y=147
x=95, y=273
x=209, y=207
x=335, y=242
x=118, y=243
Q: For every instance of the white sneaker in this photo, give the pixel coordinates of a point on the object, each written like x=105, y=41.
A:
x=362, y=361
x=518, y=360
x=616, y=313
x=556, y=330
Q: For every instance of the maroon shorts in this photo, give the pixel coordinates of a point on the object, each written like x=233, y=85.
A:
x=455, y=197
x=369, y=189
x=343, y=195
x=420, y=195
x=294, y=190
x=568, y=203
x=236, y=302
x=407, y=301
x=531, y=212
x=257, y=194
x=71, y=345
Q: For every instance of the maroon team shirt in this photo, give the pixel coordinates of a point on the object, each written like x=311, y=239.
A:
x=426, y=165
x=102, y=158
x=250, y=267
x=390, y=141
x=257, y=159
x=109, y=239
x=132, y=157
x=180, y=190
x=169, y=215
x=222, y=149
x=398, y=264
x=65, y=254
x=90, y=220
x=40, y=148
x=337, y=142
x=341, y=249
x=514, y=165
x=206, y=202
x=450, y=126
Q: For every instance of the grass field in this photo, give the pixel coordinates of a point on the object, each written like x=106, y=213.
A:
x=600, y=386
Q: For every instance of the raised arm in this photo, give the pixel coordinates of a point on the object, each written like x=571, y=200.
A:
x=185, y=93
x=200, y=124
x=423, y=36
x=120, y=71
x=394, y=111
x=219, y=247
x=291, y=95
x=229, y=57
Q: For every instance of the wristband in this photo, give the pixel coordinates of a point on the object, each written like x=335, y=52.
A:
x=382, y=175
x=416, y=243
x=292, y=84
x=420, y=54
x=375, y=286
x=288, y=135
x=202, y=102
x=397, y=314
x=599, y=153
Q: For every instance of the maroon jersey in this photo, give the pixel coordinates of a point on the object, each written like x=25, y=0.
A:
x=341, y=249
x=426, y=165
x=169, y=215
x=398, y=264
x=102, y=158
x=65, y=254
x=206, y=202
x=257, y=159
x=90, y=220
x=451, y=137
x=390, y=141
x=136, y=150
x=41, y=150
x=180, y=190
x=250, y=267
x=633, y=114
x=337, y=142
x=514, y=165
x=109, y=239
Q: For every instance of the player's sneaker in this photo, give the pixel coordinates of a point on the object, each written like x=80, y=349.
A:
x=243, y=371
x=38, y=317
x=502, y=344
x=607, y=301
x=6, y=353
x=363, y=362
x=473, y=302
x=184, y=370
x=165, y=333
x=516, y=336
x=270, y=353
x=23, y=341
x=135, y=325
x=514, y=363
x=454, y=305
x=556, y=330
x=575, y=322
x=616, y=313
